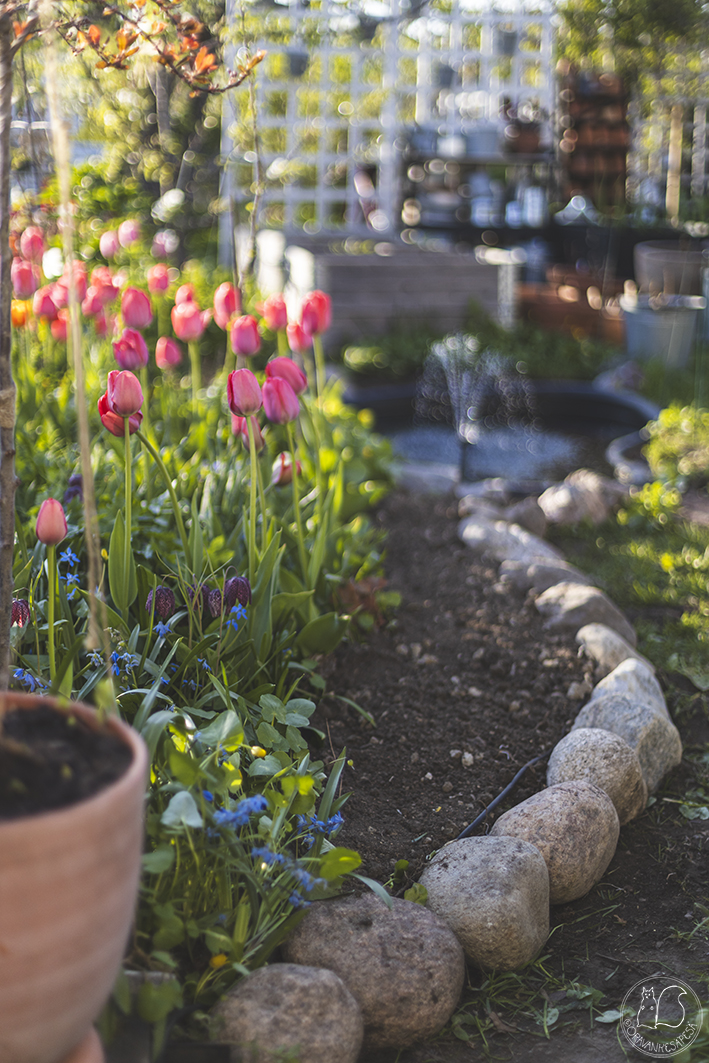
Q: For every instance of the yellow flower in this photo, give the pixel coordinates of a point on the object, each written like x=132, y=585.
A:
x=258, y=751
x=219, y=960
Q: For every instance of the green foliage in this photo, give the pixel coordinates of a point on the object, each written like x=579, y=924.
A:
x=678, y=447
x=399, y=355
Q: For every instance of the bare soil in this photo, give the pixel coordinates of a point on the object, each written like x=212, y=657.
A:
x=465, y=687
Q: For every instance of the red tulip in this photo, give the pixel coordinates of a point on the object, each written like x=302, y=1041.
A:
x=102, y=321
x=60, y=326
x=130, y=350
x=51, y=525
x=188, y=321
x=316, y=315
x=32, y=243
x=158, y=279
x=280, y=401
x=103, y=279
x=167, y=353
x=128, y=232
x=240, y=428
x=92, y=304
x=60, y=294
x=113, y=422
x=136, y=309
x=283, y=470
x=43, y=303
x=243, y=393
x=124, y=395
x=287, y=370
x=227, y=302
x=244, y=335
x=299, y=340
x=185, y=294
x=25, y=278
x=109, y=245
x=274, y=312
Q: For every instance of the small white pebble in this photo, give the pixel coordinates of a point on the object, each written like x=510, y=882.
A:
x=467, y=760
x=428, y=776
x=415, y=758
x=455, y=680
x=415, y=648
x=455, y=753
x=479, y=654
x=474, y=692
x=402, y=649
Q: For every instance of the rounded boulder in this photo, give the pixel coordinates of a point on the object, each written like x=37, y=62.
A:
x=304, y=1012
x=404, y=966
x=607, y=761
x=494, y=895
x=575, y=827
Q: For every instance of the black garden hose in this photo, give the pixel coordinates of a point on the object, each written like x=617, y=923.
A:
x=500, y=797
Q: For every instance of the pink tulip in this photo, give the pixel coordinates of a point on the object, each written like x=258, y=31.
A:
x=60, y=326
x=244, y=335
x=102, y=321
x=32, y=243
x=79, y=272
x=51, y=526
x=128, y=232
x=60, y=294
x=130, y=350
x=114, y=422
x=136, y=309
x=283, y=470
x=109, y=245
x=124, y=394
x=316, y=315
x=243, y=393
x=287, y=370
x=188, y=321
x=167, y=353
x=43, y=303
x=299, y=340
x=92, y=304
x=226, y=303
x=185, y=294
x=164, y=243
x=240, y=428
x=274, y=312
x=103, y=279
x=280, y=401
x=25, y=278
x=158, y=279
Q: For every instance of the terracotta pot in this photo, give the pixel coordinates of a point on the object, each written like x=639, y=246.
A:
x=68, y=883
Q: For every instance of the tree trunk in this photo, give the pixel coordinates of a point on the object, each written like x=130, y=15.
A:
x=7, y=385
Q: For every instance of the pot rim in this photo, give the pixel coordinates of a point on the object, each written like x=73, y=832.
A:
x=135, y=774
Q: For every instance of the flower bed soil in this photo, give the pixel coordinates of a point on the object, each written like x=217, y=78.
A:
x=466, y=667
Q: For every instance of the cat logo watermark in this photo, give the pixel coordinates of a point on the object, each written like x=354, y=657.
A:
x=661, y=1016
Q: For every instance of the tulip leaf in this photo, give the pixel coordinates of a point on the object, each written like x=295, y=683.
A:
x=226, y=731
x=338, y=861
x=182, y=811
x=123, y=585
x=284, y=604
x=323, y=634
x=196, y=542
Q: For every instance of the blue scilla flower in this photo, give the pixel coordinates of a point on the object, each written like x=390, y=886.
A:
x=297, y=901
x=204, y=664
x=116, y=659
x=69, y=557
x=239, y=817
x=72, y=581
x=27, y=679
x=236, y=614
x=207, y=795
x=161, y=629
x=96, y=658
x=267, y=856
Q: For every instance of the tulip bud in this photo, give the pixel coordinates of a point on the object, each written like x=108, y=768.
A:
x=128, y=232
x=316, y=315
x=243, y=393
x=32, y=243
x=136, y=309
x=104, y=281
x=164, y=603
x=51, y=525
x=113, y=422
x=275, y=313
x=287, y=370
x=78, y=272
x=226, y=303
x=25, y=278
x=164, y=243
x=299, y=340
x=43, y=304
x=283, y=470
x=92, y=304
x=244, y=335
x=124, y=393
x=188, y=321
x=109, y=244
x=20, y=612
x=240, y=428
x=185, y=294
x=158, y=278
x=280, y=401
x=167, y=353
x=237, y=589
x=131, y=350
x=60, y=326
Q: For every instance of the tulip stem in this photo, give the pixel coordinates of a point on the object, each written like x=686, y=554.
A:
x=262, y=501
x=154, y=454
x=252, y=504
x=282, y=339
x=145, y=385
x=196, y=364
x=227, y=356
x=129, y=507
x=51, y=598
x=319, y=367
x=296, y=505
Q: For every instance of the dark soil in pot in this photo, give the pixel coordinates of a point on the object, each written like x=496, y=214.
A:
x=49, y=760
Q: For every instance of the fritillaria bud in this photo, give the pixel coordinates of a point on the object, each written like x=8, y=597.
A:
x=164, y=602
x=237, y=589
x=20, y=612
